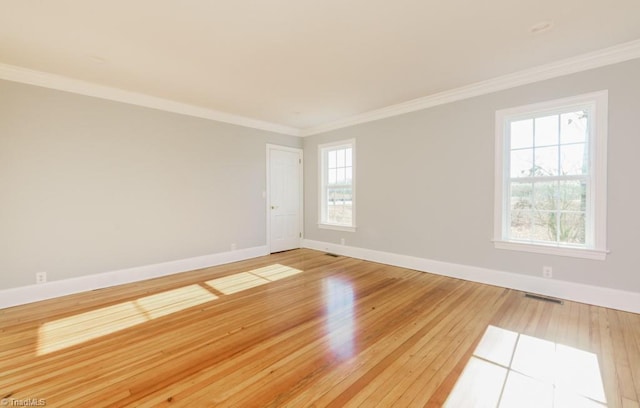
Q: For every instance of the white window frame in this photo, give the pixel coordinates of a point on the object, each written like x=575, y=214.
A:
x=596, y=211
x=322, y=183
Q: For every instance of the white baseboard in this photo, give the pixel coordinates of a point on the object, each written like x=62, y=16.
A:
x=578, y=292
x=53, y=289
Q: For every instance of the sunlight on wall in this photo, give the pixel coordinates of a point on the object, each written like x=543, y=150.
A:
x=340, y=326
x=256, y=277
x=76, y=329
x=509, y=369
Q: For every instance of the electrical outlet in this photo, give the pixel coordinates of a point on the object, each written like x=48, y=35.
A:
x=233, y=246
x=342, y=241
x=41, y=277
x=547, y=272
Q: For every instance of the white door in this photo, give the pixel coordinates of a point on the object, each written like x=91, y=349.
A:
x=284, y=204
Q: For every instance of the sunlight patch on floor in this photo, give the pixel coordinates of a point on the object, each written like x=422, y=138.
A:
x=70, y=331
x=251, y=279
x=509, y=369
x=76, y=329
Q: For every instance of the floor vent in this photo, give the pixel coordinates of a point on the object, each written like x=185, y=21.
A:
x=333, y=255
x=543, y=298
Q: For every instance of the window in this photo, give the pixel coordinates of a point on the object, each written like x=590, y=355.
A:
x=337, y=186
x=551, y=177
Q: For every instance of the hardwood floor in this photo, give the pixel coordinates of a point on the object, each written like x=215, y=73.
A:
x=303, y=329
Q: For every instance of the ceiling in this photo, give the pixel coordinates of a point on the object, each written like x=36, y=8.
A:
x=303, y=63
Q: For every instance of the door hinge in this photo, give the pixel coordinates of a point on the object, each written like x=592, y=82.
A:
x=300, y=161
x=301, y=235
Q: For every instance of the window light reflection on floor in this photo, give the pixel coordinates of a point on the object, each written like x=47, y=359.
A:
x=251, y=279
x=73, y=330
x=509, y=369
x=76, y=329
x=341, y=323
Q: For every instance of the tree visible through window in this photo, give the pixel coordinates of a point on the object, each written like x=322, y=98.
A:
x=551, y=160
x=548, y=178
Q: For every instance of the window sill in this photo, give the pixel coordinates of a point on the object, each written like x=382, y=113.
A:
x=596, y=254
x=337, y=227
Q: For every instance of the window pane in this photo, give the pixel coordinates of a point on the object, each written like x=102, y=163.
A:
x=331, y=198
x=333, y=214
x=332, y=176
x=338, y=172
x=546, y=130
x=340, y=214
x=341, y=157
x=339, y=194
x=348, y=195
x=345, y=195
x=521, y=163
x=521, y=225
x=522, y=134
x=332, y=159
x=544, y=226
x=521, y=196
x=572, y=195
x=573, y=127
x=572, y=228
x=573, y=160
x=544, y=195
x=546, y=161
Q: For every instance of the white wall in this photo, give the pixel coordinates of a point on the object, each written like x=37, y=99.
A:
x=426, y=182
x=90, y=186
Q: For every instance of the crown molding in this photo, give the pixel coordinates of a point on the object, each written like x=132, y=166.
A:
x=607, y=56
x=62, y=83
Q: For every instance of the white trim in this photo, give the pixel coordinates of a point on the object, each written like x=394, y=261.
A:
x=595, y=254
x=596, y=235
x=577, y=292
x=599, y=154
x=337, y=227
x=300, y=188
x=62, y=83
x=607, y=56
x=555, y=104
x=33, y=293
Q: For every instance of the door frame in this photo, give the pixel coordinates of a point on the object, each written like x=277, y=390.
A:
x=267, y=206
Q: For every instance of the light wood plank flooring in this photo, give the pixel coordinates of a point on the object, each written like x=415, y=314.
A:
x=304, y=329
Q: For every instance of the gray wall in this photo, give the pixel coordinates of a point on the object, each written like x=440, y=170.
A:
x=90, y=185
x=425, y=182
